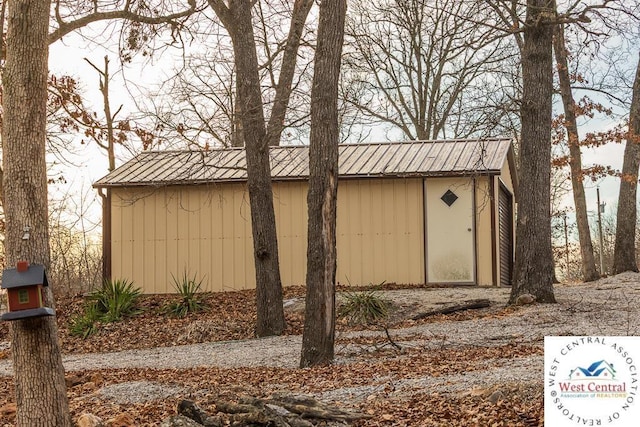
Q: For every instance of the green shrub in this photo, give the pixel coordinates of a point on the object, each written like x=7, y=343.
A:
x=83, y=325
x=189, y=302
x=116, y=299
x=364, y=307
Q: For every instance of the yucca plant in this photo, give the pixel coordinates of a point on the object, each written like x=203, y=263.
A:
x=116, y=299
x=188, y=289
x=364, y=307
x=113, y=301
x=83, y=325
x=367, y=308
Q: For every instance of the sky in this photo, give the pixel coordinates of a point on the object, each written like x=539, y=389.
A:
x=90, y=163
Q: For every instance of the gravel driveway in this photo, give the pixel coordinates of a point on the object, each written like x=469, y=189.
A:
x=610, y=306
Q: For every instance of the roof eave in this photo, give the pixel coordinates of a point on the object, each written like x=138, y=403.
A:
x=442, y=174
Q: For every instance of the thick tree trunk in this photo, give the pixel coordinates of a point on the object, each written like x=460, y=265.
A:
x=533, y=272
x=270, y=311
x=237, y=133
x=319, y=326
x=624, y=258
x=39, y=375
x=236, y=17
x=589, y=271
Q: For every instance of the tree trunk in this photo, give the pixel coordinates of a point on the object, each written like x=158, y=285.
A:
x=589, y=271
x=533, y=272
x=270, y=311
x=236, y=18
x=237, y=133
x=319, y=326
x=299, y=15
x=39, y=375
x=624, y=258
x=104, y=89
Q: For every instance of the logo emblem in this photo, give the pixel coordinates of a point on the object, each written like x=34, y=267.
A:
x=591, y=381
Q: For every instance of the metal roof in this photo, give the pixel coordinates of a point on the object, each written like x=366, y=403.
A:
x=390, y=159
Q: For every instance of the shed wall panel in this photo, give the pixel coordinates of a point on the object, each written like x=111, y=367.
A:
x=126, y=242
x=483, y=231
x=290, y=204
x=170, y=245
x=379, y=231
x=204, y=232
x=506, y=178
x=181, y=230
x=505, y=240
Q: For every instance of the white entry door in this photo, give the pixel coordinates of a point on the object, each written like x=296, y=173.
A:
x=450, y=230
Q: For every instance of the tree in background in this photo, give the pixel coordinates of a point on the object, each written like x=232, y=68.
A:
x=76, y=256
x=200, y=108
x=39, y=375
x=625, y=251
x=197, y=104
x=140, y=20
x=533, y=271
x=258, y=137
x=320, y=312
x=71, y=17
x=428, y=68
x=589, y=271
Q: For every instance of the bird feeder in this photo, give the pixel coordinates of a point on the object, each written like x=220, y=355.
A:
x=25, y=291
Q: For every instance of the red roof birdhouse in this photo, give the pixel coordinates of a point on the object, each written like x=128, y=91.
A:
x=25, y=291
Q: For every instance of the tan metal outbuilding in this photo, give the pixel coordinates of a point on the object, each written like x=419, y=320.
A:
x=438, y=212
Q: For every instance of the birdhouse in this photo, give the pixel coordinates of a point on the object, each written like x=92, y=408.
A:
x=25, y=291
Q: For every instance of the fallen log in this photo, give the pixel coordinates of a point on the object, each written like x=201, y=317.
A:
x=468, y=305
x=191, y=410
x=276, y=411
x=307, y=407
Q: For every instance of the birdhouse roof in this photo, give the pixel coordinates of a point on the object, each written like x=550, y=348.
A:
x=35, y=275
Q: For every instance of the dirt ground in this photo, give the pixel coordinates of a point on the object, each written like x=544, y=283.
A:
x=439, y=377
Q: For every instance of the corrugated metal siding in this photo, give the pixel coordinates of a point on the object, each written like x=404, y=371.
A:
x=162, y=226
x=380, y=231
x=415, y=158
x=505, y=241
x=290, y=204
x=484, y=228
x=205, y=231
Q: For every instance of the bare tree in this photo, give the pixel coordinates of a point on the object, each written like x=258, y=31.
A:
x=426, y=68
x=589, y=271
x=109, y=144
x=70, y=16
x=319, y=325
x=533, y=272
x=39, y=375
x=198, y=105
x=237, y=19
x=625, y=250
x=76, y=256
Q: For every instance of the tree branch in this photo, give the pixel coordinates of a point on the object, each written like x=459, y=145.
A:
x=65, y=28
